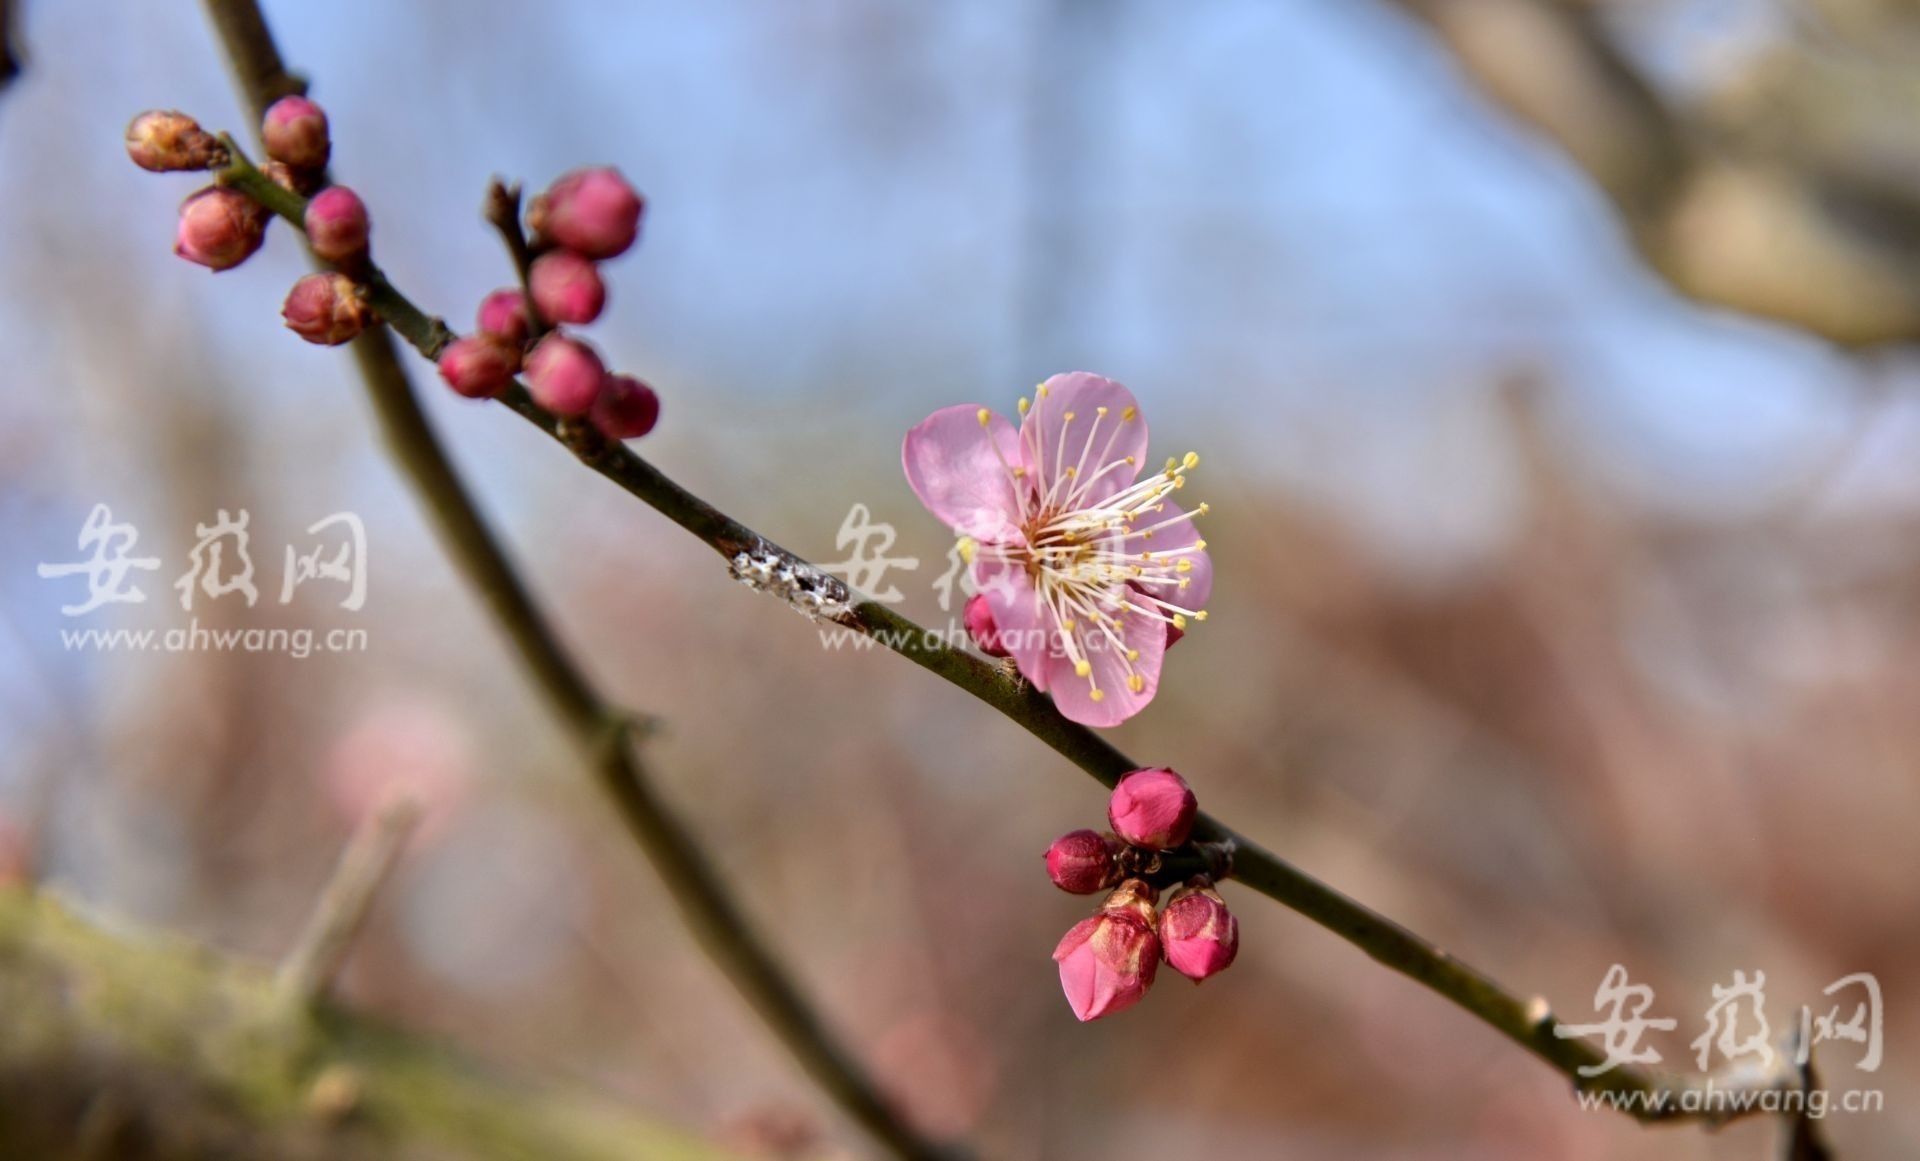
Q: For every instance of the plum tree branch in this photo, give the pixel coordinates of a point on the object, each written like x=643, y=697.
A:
x=1528, y=1022
x=600, y=731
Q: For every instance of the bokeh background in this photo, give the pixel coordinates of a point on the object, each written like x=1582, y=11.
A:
x=1565, y=612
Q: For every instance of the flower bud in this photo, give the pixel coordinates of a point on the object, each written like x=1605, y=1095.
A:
x=1107, y=962
x=566, y=288
x=593, y=212
x=480, y=366
x=336, y=224
x=1083, y=861
x=295, y=132
x=1153, y=809
x=978, y=618
x=1198, y=935
x=219, y=228
x=327, y=309
x=564, y=375
x=162, y=140
x=626, y=408
x=504, y=313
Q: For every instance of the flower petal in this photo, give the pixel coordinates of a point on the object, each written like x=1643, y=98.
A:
x=951, y=466
x=1110, y=671
x=1025, y=626
x=1065, y=453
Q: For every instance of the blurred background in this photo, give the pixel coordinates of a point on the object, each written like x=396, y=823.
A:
x=1549, y=364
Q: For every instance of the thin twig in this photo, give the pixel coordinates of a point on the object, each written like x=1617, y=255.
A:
x=600, y=731
x=1528, y=1022
x=308, y=971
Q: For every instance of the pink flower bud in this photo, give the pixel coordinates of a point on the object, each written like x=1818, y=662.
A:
x=504, y=313
x=626, y=408
x=1081, y=862
x=1197, y=933
x=219, y=228
x=480, y=366
x=564, y=375
x=1153, y=809
x=1107, y=962
x=593, y=212
x=295, y=132
x=336, y=224
x=327, y=309
x=163, y=140
x=978, y=618
x=566, y=288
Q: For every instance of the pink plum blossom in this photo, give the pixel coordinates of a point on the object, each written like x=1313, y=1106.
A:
x=1085, y=566
x=1198, y=935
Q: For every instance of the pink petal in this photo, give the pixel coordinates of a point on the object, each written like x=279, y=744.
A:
x=953, y=469
x=1110, y=669
x=1027, y=629
x=1092, y=441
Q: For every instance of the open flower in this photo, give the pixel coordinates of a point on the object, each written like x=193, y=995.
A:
x=1085, y=566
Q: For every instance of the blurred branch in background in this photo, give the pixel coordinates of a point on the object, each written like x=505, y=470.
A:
x=1784, y=187
x=601, y=732
x=162, y=1051
x=9, y=42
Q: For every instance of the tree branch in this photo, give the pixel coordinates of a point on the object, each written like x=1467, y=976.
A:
x=600, y=731
x=764, y=565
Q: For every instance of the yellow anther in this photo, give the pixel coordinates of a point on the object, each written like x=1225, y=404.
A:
x=1147, y=535
x=1131, y=460
x=1069, y=418
x=1019, y=473
x=965, y=546
x=1171, y=463
x=1023, y=405
x=1081, y=668
x=1130, y=413
x=1068, y=626
x=1133, y=655
x=1184, y=582
x=983, y=415
x=1201, y=615
x=1098, y=695
x=1185, y=565
x=1179, y=481
x=1203, y=509
x=1040, y=391
x=1099, y=411
x=1198, y=545
x=1136, y=683
x=1072, y=471
x=1191, y=461
x=1179, y=622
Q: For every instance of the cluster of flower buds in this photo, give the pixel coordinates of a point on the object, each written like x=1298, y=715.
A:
x=221, y=227
x=1107, y=961
x=586, y=217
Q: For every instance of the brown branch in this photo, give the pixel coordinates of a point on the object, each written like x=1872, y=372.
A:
x=308, y=971
x=600, y=731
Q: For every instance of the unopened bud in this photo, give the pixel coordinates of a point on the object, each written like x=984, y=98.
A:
x=336, y=224
x=1083, y=861
x=564, y=375
x=295, y=132
x=219, y=228
x=978, y=617
x=566, y=288
x=504, y=313
x=163, y=140
x=626, y=408
x=1152, y=808
x=1198, y=935
x=480, y=366
x=328, y=309
x=1107, y=962
x=593, y=212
